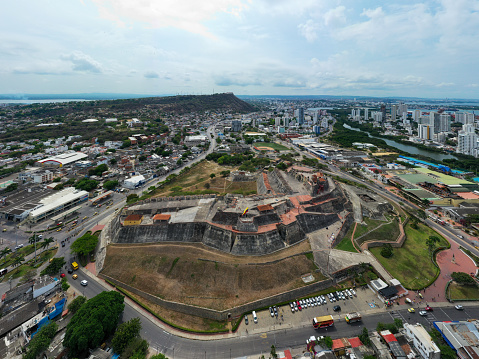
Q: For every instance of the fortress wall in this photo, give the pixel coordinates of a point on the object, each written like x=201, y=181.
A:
x=348, y=221
x=260, y=186
x=235, y=312
x=218, y=238
x=174, y=232
x=278, y=183
x=257, y=244
x=226, y=218
x=312, y=222
x=266, y=219
x=291, y=233
x=332, y=206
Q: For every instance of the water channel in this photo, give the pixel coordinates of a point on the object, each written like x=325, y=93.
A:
x=412, y=150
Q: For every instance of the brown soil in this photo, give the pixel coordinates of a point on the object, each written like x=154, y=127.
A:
x=199, y=176
x=197, y=275
x=182, y=320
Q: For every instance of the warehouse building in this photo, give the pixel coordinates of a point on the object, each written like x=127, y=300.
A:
x=63, y=159
x=56, y=203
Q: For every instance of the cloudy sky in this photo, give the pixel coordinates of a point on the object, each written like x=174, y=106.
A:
x=249, y=47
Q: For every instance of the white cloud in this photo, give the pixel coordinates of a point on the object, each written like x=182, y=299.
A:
x=151, y=75
x=335, y=17
x=309, y=30
x=82, y=62
x=187, y=15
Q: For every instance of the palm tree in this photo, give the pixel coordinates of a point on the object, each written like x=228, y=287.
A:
x=18, y=261
x=33, y=239
x=4, y=252
x=46, y=242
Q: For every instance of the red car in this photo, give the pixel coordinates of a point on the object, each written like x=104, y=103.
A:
x=298, y=304
x=62, y=275
x=428, y=309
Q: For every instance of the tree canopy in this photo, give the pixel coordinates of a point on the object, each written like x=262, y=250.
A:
x=41, y=341
x=85, y=244
x=463, y=278
x=76, y=304
x=93, y=322
x=86, y=184
x=125, y=333
x=110, y=184
x=54, y=267
x=98, y=170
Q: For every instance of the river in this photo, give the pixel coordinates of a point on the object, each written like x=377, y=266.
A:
x=412, y=150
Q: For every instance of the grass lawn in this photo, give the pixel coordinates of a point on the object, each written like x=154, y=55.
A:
x=459, y=292
x=388, y=232
x=370, y=225
x=346, y=245
x=25, y=251
x=273, y=145
x=411, y=263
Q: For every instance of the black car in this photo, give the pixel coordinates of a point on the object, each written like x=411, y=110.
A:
x=336, y=308
x=63, y=244
x=70, y=270
x=246, y=320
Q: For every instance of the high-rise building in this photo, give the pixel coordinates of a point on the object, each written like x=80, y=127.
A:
x=366, y=114
x=394, y=109
x=402, y=108
x=317, y=129
x=435, y=121
x=299, y=113
x=459, y=117
x=377, y=116
x=425, y=132
x=383, y=111
x=416, y=115
x=469, y=118
x=445, y=122
x=467, y=140
x=315, y=117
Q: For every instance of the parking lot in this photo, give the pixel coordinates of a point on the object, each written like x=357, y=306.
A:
x=365, y=301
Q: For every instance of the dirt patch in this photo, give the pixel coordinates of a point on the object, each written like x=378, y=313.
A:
x=181, y=320
x=197, y=275
x=198, y=179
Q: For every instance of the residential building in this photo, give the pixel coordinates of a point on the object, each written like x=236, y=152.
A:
x=299, y=113
x=425, y=132
x=394, y=112
x=366, y=114
x=236, y=126
x=422, y=341
x=467, y=140
x=445, y=122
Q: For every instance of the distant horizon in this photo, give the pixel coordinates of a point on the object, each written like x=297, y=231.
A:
x=119, y=96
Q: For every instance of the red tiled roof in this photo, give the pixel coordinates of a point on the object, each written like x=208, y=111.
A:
x=389, y=338
x=265, y=207
x=134, y=217
x=355, y=342
x=161, y=217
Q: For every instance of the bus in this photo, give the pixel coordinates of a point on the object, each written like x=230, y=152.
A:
x=75, y=265
x=353, y=317
x=323, y=322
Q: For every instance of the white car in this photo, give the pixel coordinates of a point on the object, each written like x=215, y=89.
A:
x=84, y=283
x=423, y=313
x=459, y=307
x=292, y=307
x=353, y=291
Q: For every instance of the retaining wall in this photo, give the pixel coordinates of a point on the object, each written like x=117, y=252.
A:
x=233, y=312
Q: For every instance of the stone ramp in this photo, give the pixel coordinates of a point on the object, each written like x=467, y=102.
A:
x=355, y=201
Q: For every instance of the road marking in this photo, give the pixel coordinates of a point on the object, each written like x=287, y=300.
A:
x=446, y=314
x=264, y=335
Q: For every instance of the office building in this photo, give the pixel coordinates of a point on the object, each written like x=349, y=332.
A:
x=366, y=114
x=383, y=111
x=300, y=115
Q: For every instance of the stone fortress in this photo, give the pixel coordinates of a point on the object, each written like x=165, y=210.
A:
x=275, y=218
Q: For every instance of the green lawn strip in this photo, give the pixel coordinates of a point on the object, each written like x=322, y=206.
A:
x=371, y=224
x=386, y=232
x=463, y=292
x=25, y=251
x=273, y=145
x=346, y=245
x=411, y=264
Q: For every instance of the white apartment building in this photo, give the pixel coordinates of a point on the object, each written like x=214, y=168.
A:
x=425, y=132
x=467, y=140
x=422, y=341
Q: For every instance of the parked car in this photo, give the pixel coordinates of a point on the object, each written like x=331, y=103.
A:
x=337, y=308
x=62, y=275
x=271, y=311
x=246, y=319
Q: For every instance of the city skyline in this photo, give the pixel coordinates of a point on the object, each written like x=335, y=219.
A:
x=262, y=47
